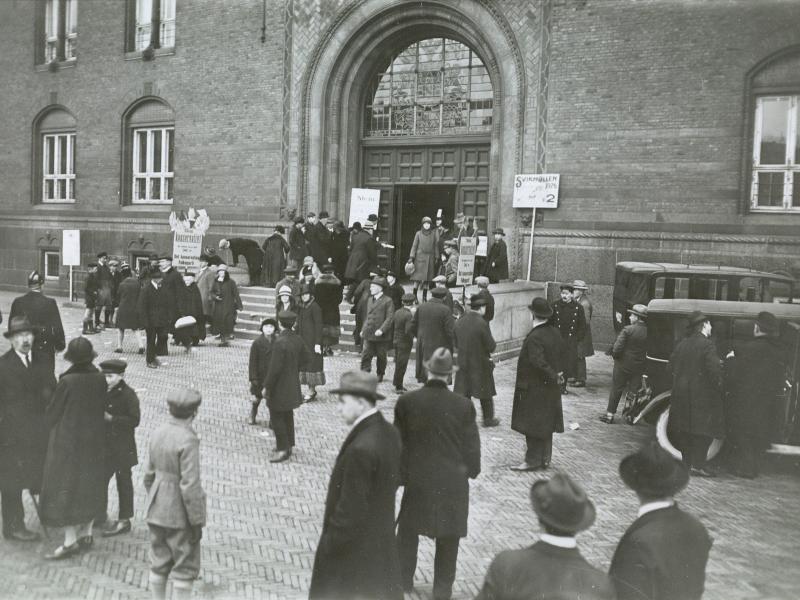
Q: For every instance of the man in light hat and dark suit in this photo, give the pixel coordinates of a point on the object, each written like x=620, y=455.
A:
x=376, y=333
x=28, y=383
x=434, y=327
x=357, y=552
x=42, y=312
x=630, y=358
x=755, y=375
x=696, y=411
x=553, y=567
x=537, y=412
x=663, y=554
x=586, y=345
x=441, y=453
x=475, y=344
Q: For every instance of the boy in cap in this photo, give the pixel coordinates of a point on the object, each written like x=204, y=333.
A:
x=553, y=567
x=122, y=417
x=403, y=329
x=176, y=502
x=260, y=355
x=451, y=263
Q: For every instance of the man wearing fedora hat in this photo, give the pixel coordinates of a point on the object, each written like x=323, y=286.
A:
x=363, y=256
x=630, y=357
x=570, y=320
x=376, y=333
x=663, y=554
x=586, y=345
x=755, y=371
x=42, y=312
x=434, y=327
x=496, y=265
x=441, y=453
x=155, y=317
x=475, y=344
x=696, y=410
x=357, y=552
x=553, y=567
x=27, y=385
x=537, y=412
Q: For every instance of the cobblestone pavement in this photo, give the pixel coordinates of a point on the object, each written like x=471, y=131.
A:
x=265, y=519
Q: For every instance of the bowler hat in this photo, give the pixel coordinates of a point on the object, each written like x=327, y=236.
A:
x=323, y=214
x=35, y=278
x=697, y=316
x=477, y=300
x=580, y=284
x=113, y=365
x=768, y=323
x=18, y=325
x=408, y=298
x=184, y=401
x=561, y=503
x=269, y=321
x=640, y=310
x=653, y=472
x=379, y=281
x=439, y=292
x=79, y=351
x=499, y=231
x=372, y=217
x=541, y=308
x=359, y=383
x=482, y=281
x=440, y=362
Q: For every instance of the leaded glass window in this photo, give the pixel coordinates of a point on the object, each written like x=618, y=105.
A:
x=436, y=86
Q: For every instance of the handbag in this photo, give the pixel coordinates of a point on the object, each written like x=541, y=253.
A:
x=409, y=268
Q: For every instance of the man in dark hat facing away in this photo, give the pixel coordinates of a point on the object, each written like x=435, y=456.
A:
x=434, y=327
x=537, y=412
x=42, y=312
x=696, y=412
x=553, y=567
x=357, y=552
x=28, y=384
x=663, y=554
x=441, y=453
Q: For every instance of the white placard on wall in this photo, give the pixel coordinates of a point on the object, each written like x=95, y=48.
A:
x=71, y=247
x=536, y=191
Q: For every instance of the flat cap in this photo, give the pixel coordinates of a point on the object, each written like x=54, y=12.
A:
x=185, y=399
x=114, y=365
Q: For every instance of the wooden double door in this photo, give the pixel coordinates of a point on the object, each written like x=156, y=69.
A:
x=418, y=181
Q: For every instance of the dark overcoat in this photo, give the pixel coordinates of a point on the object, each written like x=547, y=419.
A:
x=318, y=241
x=328, y=294
x=754, y=378
x=662, y=556
x=43, y=314
x=171, y=283
x=378, y=314
x=537, y=395
x=309, y=328
x=544, y=571
x=570, y=320
x=275, y=250
x=190, y=304
x=24, y=394
x=128, y=310
x=475, y=375
x=357, y=552
x=298, y=245
x=91, y=287
x=339, y=244
x=154, y=307
x=486, y=295
x=74, y=484
x=496, y=266
x=260, y=356
x=586, y=344
x=630, y=348
x=122, y=404
x=252, y=254
x=402, y=328
x=363, y=256
x=395, y=292
x=434, y=327
x=696, y=403
x=289, y=357
x=441, y=453
x=225, y=295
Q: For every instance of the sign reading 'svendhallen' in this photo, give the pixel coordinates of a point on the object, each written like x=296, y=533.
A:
x=187, y=243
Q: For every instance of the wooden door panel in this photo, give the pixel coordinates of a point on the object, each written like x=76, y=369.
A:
x=474, y=203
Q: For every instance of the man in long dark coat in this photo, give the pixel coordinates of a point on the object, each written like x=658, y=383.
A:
x=298, y=243
x=434, y=327
x=155, y=314
x=171, y=285
x=317, y=236
x=363, y=256
x=483, y=291
x=537, y=412
x=475, y=376
x=441, y=453
x=252, y=253
x=28, y=383
x=696, y=411
x=755, y=377
x=275, y=249
x=328, y=293
x=42, y=312
x=496, y=265
x=570, y=320
x=357, y=552
x=376, y=333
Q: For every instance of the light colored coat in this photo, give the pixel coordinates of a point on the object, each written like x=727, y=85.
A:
x=175, y=496
x=205, y=281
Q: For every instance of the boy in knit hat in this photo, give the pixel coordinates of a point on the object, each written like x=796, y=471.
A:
x=176, y=502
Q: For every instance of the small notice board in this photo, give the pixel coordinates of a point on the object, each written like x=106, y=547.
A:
x=466, y=260
x=536, y=191
x=186, y=249
x=363, y=202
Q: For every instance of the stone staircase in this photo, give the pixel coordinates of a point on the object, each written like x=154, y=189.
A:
x=259, y=303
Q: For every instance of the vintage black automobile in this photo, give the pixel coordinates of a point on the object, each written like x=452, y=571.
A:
x=640, y=282
x=732, y=322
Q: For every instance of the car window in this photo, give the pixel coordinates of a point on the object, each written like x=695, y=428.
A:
x=710, y=288
x=631, y=287
x=750, y=289
x=777, y=291
x=669, y=287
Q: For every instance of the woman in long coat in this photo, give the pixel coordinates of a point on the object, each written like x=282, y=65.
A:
x=74, y=485
x=328, y=294
x=275, y=250
x=424, y=252
x=128, y=310
x=226, y=299
x=309, y=327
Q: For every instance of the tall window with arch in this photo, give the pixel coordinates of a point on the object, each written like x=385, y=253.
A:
x=149, y=153
x=55, y=134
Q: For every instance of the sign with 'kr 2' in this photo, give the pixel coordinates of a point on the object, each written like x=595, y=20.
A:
x=536, y=191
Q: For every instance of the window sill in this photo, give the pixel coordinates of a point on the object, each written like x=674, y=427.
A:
x=138, y=54
x=53, y=204
x=774, y=211
x=63, y=64
x=144, y=206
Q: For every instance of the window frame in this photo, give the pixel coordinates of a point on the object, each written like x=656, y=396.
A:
x=56, y=39
x=167, y=131
x=45, y=270
x=68, y=178
x=162, y=14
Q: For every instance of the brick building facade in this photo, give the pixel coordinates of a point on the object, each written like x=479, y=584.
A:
x=650, y=112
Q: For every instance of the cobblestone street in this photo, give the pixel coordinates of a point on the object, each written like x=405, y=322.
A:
x=265, y=519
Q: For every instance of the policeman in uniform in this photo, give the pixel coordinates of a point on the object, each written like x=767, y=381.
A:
x=43, y=314
x=570, y=320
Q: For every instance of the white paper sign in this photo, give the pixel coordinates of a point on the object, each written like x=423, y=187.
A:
x=71, y=247
x=363, y=202
x=483, y=246
x=466, y=260
x=536, y=191
x=186, y=249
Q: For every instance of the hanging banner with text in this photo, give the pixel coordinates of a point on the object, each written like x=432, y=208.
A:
x=466, y=260
x=536, y=191
x=71, y=248
x=186, y=249
x=363, y=203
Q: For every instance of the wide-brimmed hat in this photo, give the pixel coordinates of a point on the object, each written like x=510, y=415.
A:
x=768, y=323
x=80, y=350
x=561, y=503
x=579, y=284
x=697, y=316
x=439, y=292
x=499, y=231
x=541, y=308
x=113, y=365
x=477, y=300
x=35, y=278
x=653, y=472
x=359, y=383
x=440, y=362
x=18, y=325
x=640, y=310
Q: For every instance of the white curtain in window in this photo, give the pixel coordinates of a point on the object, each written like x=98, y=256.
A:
x=51, y=30
x=144, y=18
x=167, y=16
x=71, y=27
